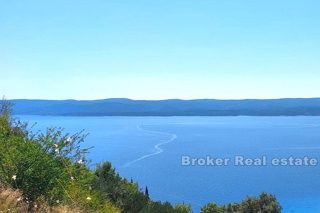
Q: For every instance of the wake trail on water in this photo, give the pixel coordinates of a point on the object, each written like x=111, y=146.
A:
x=157, y=147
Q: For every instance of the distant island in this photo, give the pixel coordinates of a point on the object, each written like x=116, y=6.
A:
x=172, y=107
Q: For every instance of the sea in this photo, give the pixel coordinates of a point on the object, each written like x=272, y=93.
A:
x=197, y=160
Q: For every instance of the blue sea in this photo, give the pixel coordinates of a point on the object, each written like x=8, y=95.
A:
x=150, y=149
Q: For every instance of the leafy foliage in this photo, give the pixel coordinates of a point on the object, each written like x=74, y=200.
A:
x=265, y=203
x=49, y=166
x=127, y=195
x=211, y=208
x=124, y=194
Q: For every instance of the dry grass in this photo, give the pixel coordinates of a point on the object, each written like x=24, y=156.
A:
x=11, y=201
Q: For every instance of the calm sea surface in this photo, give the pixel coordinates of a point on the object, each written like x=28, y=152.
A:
x=149, y=150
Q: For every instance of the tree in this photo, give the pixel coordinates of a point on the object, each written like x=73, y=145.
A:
x=182, y=208
x=211, y=208
x=147, y=191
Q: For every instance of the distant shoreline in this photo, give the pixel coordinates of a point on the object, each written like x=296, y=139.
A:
x=164, y=116
x=173, y=107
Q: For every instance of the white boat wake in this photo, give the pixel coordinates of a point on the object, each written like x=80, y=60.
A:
x=157, y=147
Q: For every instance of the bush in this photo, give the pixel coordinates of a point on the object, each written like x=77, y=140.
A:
x=127, y=195
x=39, y=165
x=265, y=203
x=124, y=194
x=183, y=208
x=211, y=208
x=47, y=167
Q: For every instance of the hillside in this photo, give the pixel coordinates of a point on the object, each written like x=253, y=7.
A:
x=173, y=107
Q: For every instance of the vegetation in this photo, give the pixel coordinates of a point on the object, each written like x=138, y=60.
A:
x=48, y=172
x=264, y=203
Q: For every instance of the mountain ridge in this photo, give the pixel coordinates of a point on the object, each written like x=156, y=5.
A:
x=169, y=107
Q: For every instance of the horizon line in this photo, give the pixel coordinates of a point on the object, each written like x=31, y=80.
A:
x=169, y=99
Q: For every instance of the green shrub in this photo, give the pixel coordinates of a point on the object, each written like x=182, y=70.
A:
x=126, y=195
x=211, y=208
x=183, y=208
x=39, y=165
x=48, y=167
x=265, y=203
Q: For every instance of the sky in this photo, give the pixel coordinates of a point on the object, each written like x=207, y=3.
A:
x=159, y=49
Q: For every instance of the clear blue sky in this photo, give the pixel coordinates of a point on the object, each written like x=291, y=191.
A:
x=159, y=49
